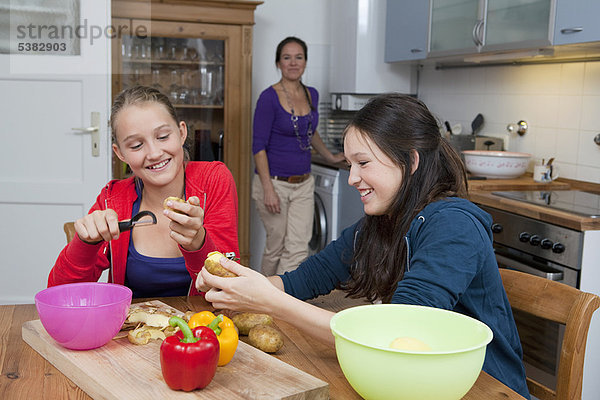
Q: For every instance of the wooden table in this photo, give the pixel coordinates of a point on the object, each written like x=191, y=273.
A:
x=26, y=374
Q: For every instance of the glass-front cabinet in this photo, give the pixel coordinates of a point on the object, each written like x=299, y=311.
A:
x=454, y=25
x=191, y=72
x=471, y=26
x=517, y=23
x=199, y=54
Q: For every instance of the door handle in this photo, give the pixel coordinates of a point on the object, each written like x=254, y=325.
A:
x=94, y=129
x=567, y=31
x=477, y=33
x=553, y=275
x=221, y=144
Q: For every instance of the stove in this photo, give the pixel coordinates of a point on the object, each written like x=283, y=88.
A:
x=574, y=201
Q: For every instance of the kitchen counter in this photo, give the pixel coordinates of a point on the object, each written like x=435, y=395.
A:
x=318, y=159
x=480, y=192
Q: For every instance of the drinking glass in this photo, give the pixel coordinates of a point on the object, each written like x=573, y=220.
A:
x=174, y=87
x=184, y=89
x=206, y=79
x=156, y=79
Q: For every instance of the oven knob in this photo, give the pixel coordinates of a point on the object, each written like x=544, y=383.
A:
x=497, y=228
x=546, y=244
x=524, y=237
x=534, y=240
x=558, y=247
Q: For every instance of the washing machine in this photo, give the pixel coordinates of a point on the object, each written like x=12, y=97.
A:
x=337, y=205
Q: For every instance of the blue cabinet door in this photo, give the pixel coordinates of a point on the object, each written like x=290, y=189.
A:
x=406, y=27
x=577, y=21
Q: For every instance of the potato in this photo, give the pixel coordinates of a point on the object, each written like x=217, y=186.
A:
x=213, y=265
x=265, y=338
x=174, y=199
x=408, y=343
x=246, y=321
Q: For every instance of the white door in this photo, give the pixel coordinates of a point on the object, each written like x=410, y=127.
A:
x=54, y=73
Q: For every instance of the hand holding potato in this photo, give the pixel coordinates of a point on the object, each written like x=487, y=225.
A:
x=187, y=222
x=249, y=291
x=100, y=225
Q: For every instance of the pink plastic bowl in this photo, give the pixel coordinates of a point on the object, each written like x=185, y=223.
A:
x=83, y=316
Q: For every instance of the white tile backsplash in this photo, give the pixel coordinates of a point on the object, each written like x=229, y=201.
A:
x=571, y=78
x=569, y=111
x=560, y=102
x=591, y=79
x=590, y=113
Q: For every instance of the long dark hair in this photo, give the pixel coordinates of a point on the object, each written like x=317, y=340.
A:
x=398, y=124
x=290, y=39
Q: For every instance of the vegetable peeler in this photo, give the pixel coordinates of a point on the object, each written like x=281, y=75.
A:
x=129, y=224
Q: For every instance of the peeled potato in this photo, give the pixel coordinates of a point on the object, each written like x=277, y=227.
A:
x=265, y=338
x=172, y=198
x=409, y=344
x=213, y=265
x=246, y=321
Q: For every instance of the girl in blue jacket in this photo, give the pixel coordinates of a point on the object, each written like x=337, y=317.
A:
x=421, y=242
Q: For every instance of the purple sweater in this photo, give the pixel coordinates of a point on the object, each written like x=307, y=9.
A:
x=273, y=132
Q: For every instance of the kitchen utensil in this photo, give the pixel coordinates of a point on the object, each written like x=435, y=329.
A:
x=363, y=336
x=550, y=161
x=476, y=124
x=85, y=315
x=448, y=128
x=121, y=370
x=496, y=164
x=544, y=173
x=137, y=220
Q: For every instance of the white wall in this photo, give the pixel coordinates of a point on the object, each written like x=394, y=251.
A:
x=560, y=102
x=275, y=20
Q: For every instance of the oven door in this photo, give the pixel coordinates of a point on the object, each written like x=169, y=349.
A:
x=320, y=232
x=541, y=339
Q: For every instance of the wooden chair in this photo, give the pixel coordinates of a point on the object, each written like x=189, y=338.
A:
x=69, y=228
x=559, y=303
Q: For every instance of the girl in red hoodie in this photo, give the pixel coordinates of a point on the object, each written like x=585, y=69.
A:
x=161, y=259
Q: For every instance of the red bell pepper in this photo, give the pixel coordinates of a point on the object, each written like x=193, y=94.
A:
x=188, y=359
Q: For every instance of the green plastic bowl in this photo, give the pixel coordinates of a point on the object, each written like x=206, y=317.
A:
x=376, y=371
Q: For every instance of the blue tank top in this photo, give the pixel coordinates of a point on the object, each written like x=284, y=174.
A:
x=154, y=276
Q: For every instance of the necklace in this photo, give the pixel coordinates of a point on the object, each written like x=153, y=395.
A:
x=294, y=119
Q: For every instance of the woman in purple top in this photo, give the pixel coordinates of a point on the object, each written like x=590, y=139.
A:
x=285, y=132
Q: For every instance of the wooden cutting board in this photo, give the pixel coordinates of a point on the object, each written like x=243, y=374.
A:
x=120, y=370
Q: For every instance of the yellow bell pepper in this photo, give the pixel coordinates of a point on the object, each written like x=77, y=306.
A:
x=225, y=330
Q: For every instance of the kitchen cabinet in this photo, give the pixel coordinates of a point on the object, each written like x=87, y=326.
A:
x=199, y=53
x=472, y=26
x=576, y=21
x=507, y=28
x=406, y=27
x=453, y=27
x=517, y=24
x=483, y=26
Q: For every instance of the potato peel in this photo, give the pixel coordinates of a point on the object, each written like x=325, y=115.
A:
x=146, y=322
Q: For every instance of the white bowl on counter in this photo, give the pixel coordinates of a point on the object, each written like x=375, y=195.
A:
x=496, y=164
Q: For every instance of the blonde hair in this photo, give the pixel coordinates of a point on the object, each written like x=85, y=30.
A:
x=137, y=95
